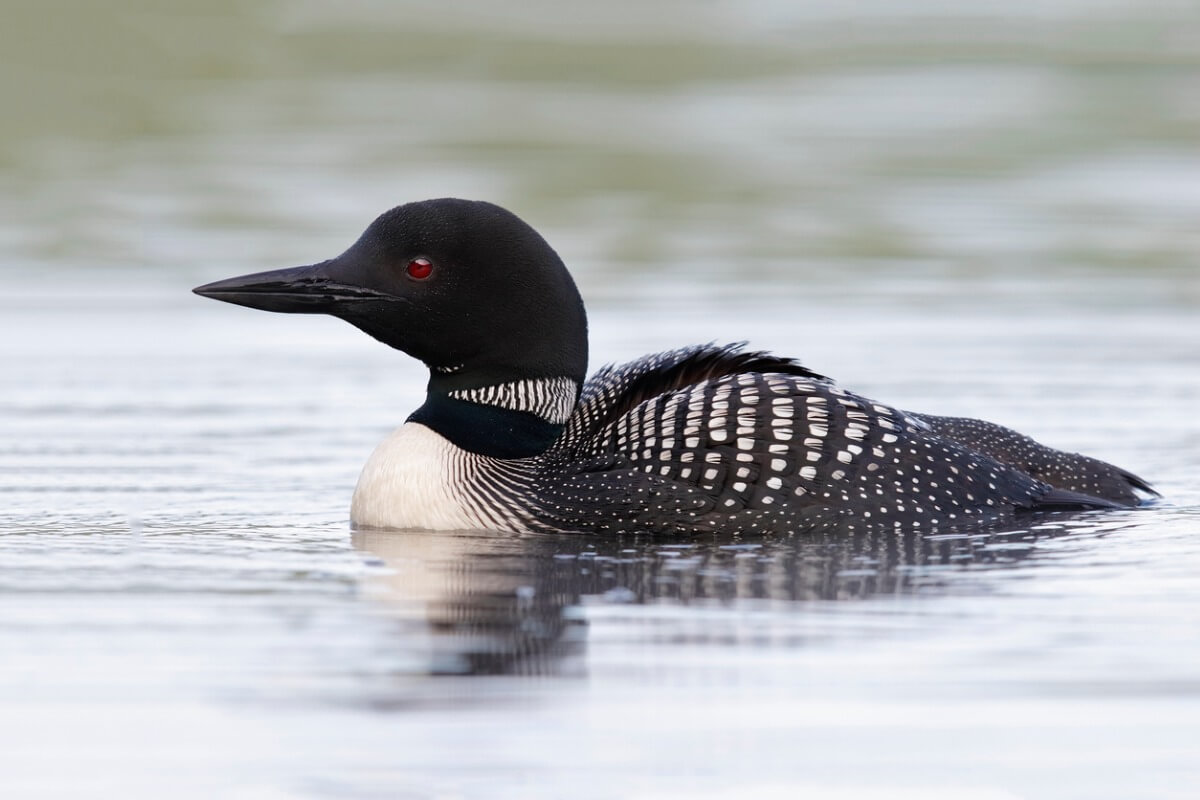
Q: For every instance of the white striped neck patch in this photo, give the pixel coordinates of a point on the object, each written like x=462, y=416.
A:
x=551, y=399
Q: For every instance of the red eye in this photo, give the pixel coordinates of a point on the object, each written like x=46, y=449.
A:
x=420, y=268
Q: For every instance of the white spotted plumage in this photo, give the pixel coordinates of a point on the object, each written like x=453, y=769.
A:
x=813, y=455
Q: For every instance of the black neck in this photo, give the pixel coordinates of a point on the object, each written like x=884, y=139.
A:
x=484, y=429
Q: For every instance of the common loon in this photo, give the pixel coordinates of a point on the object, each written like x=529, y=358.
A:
x=705, y=438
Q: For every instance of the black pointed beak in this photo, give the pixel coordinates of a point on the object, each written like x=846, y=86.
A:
x=313, y=289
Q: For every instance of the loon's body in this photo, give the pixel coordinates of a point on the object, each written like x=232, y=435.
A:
x=706, y=438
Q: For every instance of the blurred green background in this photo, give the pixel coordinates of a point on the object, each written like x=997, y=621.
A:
x=711, y=139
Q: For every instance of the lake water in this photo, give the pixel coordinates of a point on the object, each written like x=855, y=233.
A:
x=958, y=212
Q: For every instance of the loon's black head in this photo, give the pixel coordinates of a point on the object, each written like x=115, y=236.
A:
x=465, y=286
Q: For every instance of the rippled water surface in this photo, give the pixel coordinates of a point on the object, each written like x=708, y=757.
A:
x=956, y=211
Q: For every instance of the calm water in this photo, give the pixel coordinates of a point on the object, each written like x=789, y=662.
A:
x=980, y=214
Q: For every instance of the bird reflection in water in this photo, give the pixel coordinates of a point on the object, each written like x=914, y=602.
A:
x=486, y=603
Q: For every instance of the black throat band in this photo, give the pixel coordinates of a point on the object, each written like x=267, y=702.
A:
x=484, y=429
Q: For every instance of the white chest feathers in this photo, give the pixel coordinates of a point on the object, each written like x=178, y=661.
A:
x=418, y=479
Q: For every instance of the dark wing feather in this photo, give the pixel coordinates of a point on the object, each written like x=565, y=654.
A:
x=712, y=438
x=1063, y=500
x=1069, y=472
x=749, y=450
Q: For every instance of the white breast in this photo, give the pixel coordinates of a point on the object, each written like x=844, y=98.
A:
x=416, y=479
